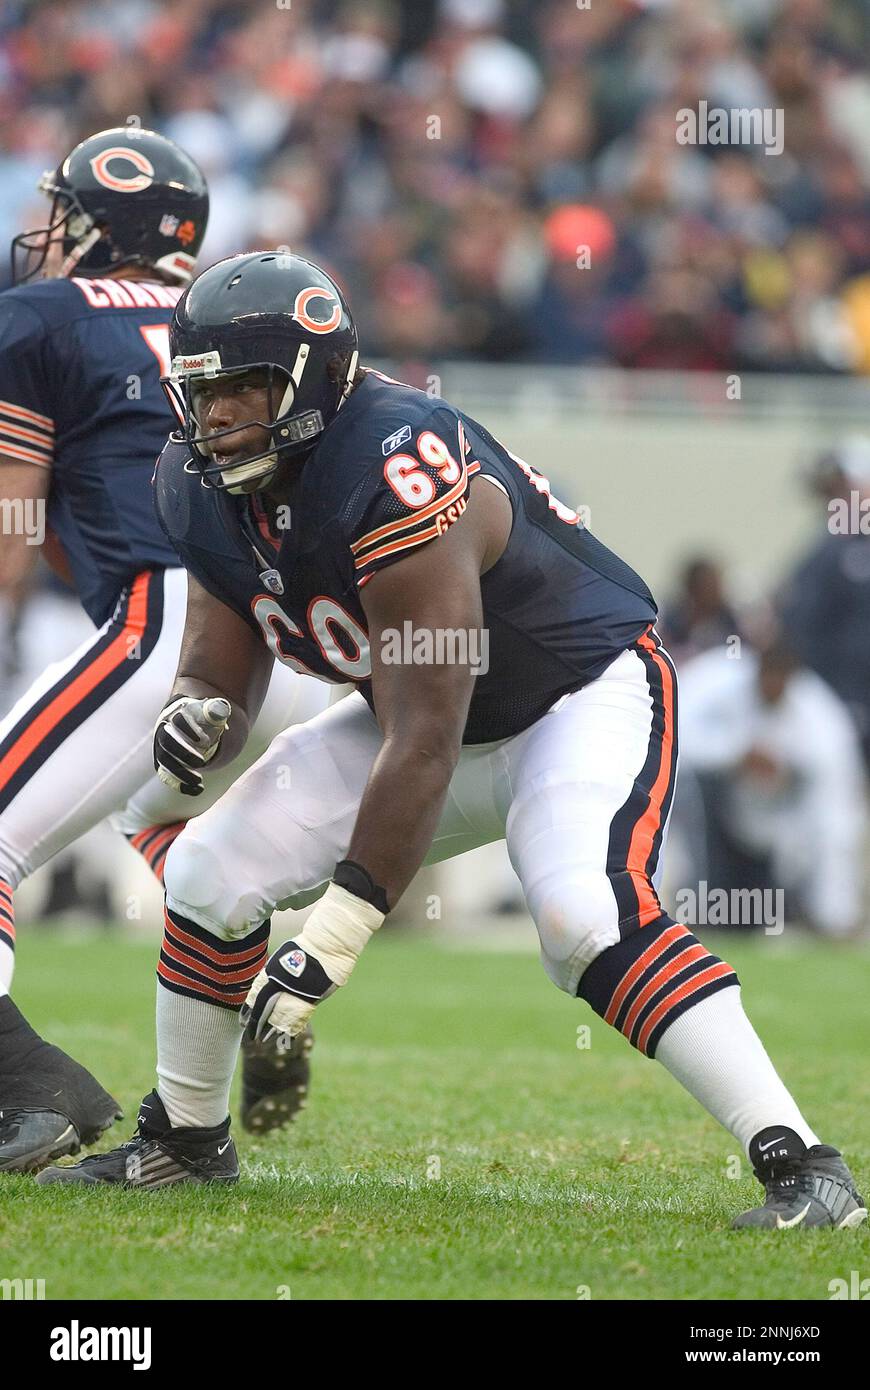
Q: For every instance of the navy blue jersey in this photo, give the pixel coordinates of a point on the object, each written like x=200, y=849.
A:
x=80, y=367
x=392, y=472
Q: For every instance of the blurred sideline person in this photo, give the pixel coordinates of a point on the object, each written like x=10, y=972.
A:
x=778, y=759
x=699, y=616
x=825, y=606
x=82, y=418
x=556, y=730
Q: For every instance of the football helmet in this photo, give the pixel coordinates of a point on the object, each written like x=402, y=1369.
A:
x=276, y=314
x=126, y=196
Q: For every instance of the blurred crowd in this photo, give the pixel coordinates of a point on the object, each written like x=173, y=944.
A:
x=497, y=179
x=775, y=715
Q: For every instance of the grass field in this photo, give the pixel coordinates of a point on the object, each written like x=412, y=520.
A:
x=458, y=1143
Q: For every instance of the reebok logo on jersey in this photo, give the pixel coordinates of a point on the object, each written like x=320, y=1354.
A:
x=294, y=961
x=394, y=440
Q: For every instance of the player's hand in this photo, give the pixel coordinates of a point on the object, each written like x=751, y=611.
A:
x=302, y=972
x=187, y=736
x=284, y=995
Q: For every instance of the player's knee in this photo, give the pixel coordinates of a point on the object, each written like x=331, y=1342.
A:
x=204, y=885
x=576, y=920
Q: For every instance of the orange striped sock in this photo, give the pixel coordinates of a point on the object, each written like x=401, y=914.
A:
x=7, y=936
x=155, y=843
x=645, y=982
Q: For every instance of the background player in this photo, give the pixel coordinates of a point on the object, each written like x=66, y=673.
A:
x=82, y=418
x=408, y=517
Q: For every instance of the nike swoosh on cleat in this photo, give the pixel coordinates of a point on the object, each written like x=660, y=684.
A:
x=762, y=1148
x=795, y=1221
x=223, y=1147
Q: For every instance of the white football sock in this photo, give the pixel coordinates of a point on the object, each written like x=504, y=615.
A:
x=7, y=967
x=713, y=1050
x=197, y=1047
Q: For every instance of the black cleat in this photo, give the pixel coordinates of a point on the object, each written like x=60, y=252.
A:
x=275, y=1078
x=31, y=1138
x=49, y=1105
x=157, y=1155
x=804, y=1187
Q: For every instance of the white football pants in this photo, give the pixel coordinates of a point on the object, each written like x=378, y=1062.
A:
x=581, y=797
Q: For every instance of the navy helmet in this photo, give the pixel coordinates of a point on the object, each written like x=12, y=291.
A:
x=126, y=196
x=280, y=315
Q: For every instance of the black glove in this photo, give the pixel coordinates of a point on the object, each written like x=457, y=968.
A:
x=187, y=736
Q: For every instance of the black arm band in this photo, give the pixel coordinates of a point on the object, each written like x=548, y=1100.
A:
x=357, y=880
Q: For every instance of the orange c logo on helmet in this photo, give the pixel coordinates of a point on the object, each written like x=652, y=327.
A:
x=132, y=183
x=301, y=314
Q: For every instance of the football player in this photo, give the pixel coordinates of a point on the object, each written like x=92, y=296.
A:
x=83, y=343
x=553, y=725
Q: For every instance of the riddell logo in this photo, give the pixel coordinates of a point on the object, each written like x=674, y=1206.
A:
x=77, y=1343
x=208, y=362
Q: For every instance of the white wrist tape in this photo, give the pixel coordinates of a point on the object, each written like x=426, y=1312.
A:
x=337, y=930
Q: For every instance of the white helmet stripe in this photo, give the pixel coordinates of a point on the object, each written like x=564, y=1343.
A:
x=299, y=365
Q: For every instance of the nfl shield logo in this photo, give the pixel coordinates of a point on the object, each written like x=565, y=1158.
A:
x=294, y=961
x=273, y=581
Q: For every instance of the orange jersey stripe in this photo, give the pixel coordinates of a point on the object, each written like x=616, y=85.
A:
x=17, y=451
x=431, y=509
x=29, y=436
x=407, y=543
x=66, y=700
x=18, y=412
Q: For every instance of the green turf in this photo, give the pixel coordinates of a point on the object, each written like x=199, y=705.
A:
x=560, y=1168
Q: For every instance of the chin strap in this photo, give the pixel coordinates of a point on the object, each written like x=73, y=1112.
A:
x=348, y=380
x=79, y=251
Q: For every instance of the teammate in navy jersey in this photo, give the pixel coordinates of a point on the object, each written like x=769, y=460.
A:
x=509, y=684
x=83, y=344
x=93, y=350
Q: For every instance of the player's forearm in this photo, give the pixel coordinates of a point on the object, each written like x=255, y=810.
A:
x=400, y=810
